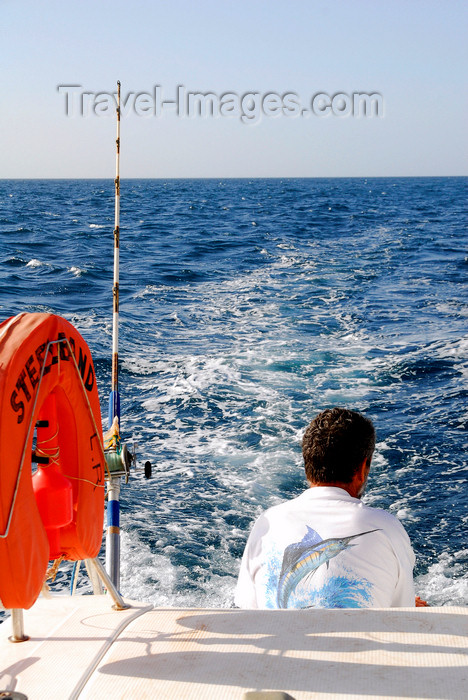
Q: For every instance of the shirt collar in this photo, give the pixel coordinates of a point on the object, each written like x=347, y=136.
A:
x=329, y=492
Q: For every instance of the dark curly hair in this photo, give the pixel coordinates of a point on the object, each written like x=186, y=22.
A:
x=335, y=445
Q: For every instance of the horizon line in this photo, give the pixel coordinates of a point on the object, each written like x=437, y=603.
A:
x=242, y=177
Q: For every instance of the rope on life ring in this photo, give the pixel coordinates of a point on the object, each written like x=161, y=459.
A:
x=48, y=392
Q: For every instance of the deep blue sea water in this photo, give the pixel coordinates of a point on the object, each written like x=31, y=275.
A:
x=247, y=306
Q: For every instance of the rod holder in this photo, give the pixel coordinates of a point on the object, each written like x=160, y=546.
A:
x=119, y=603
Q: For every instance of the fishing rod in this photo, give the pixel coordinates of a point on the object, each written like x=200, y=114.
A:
x=118, y=458
x=114, y=398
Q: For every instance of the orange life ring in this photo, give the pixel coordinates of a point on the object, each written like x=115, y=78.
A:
x=47, y=375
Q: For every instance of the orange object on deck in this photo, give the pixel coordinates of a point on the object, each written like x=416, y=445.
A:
x=47, y=377
x=53, y=491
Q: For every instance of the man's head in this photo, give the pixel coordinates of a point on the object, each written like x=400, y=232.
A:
x=335, y=446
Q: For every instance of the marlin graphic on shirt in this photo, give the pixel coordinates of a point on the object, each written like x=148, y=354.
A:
x=303, y=558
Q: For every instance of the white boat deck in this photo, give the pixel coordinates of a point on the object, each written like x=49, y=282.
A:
x=80, y=648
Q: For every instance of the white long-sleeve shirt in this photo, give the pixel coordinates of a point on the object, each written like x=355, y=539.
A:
x=326, y=549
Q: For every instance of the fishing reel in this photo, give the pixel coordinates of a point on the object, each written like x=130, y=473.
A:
x=120, y=460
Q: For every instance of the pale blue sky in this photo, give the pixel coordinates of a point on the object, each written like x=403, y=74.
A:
x=414, y=53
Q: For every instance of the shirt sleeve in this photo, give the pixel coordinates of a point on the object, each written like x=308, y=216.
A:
x=245, y=594
x=404, y=594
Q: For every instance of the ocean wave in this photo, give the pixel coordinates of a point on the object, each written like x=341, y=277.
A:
x=76, y=271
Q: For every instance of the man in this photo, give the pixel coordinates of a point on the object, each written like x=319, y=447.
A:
x=325, y=548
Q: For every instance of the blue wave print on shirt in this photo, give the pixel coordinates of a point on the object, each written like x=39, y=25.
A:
x=336, y=592
x=303, y=558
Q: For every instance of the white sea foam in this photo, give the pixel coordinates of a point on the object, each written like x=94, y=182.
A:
x=149, y=290
x=150, y=576
x=35, y=263
x=446, y=581
x=96, y=226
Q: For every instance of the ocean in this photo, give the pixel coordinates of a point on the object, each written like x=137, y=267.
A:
x=246, y=307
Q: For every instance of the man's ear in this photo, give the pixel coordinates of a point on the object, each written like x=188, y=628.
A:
x=361, y=476
x=363, y=470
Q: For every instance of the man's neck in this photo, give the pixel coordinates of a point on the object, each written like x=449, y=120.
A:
x=352, y=488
